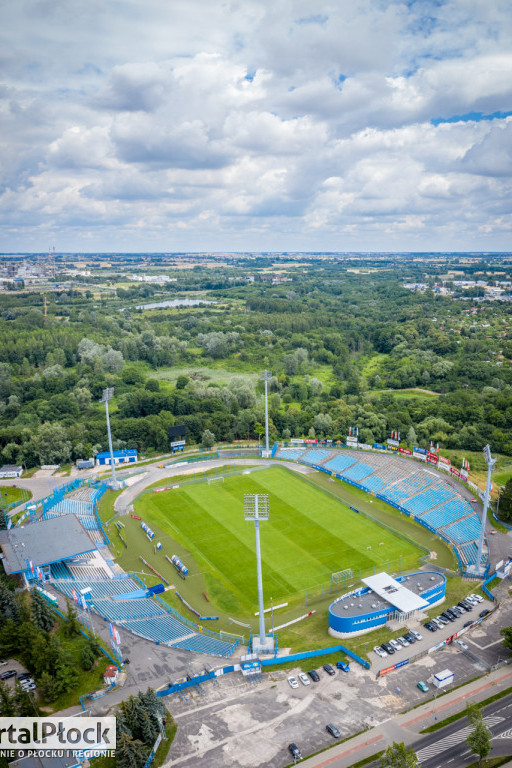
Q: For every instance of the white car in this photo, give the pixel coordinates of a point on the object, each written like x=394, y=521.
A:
x=304, y=679
x=403, y=642
x=293, y=682
x=415, y=634
x=380, y=652
x=462, y=644
x=478, y=598
x=394, y=644
x=471, y=600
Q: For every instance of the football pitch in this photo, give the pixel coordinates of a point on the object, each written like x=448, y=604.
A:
x=308, y=536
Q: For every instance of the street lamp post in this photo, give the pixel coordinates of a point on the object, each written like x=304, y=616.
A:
x=256, y=508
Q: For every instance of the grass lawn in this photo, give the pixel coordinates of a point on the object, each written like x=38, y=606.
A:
x=388, y=515
x=203, y=374
x=309, y=535
x=11, y=493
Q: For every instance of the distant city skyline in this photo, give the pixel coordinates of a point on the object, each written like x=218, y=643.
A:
x=256, y=126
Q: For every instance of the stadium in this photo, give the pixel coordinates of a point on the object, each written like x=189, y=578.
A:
x=314, y=546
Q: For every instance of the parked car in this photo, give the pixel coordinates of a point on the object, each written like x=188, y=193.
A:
x=448, y=615
x=29, y=687
x=430, y=626
x=464, y=605
x=333, y=730
x=380, y=651
x=410, y=638
x=471, y=599
x=438, y=623
x=478, y=598
x=423, y=686
x=295, y=751
x=23, y=675
x=468, y=624
x=395, y=644
x=304, y=679
x=457, y=610
x=443, y=620
x=343, y=666
x=314, y=675
x=403, y=642
x=415, y=634
x=293, y=682
x=462, y=644
x=388, y=648
x=3, y=663
x=8, y=674
x=483, y=613
x=330, y=671
x=26, y=681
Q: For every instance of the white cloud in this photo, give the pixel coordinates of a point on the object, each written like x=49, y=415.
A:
x=255, y=124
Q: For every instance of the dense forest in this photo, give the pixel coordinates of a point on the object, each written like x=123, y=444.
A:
x=347, y=343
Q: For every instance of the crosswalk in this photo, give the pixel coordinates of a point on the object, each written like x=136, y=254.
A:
x=454, y=738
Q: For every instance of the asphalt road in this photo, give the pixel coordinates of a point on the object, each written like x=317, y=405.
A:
x=447, y=747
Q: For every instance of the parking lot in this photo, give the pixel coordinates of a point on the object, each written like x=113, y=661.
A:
x=429, y=638
x=243, y=725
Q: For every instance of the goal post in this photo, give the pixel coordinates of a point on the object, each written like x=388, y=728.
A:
x=218, y=479
x=341, y=577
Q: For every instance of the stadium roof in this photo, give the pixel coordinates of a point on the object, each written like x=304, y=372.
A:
x=395, y=593
x=45, y=542
x=124, y=452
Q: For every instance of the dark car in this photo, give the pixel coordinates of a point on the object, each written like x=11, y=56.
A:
x=314, y=675
x=457, y=610
x=468, y=624
x=24, y=675
x=12, y=673
x=410, y=639
x=483, y=613
x=447, y=616
x=295, y=751
x=465, y=606
x=333, y=730
x=330, y=671
x=431, y=627
x=388, y=648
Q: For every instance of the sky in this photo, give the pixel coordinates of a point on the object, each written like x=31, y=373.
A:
x=203, y=125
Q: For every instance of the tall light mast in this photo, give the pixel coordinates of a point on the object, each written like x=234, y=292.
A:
x=256, y=508
x=487, y=498
x=107, y=395
x=266, y=376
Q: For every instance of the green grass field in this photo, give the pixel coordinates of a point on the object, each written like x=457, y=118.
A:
x=308, y=536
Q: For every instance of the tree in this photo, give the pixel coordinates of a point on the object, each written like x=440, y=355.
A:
x=72, y=626
x=42, y=614
x=181, y=382
x=505, y=509
x=207, y=439
x=8, y=605
x=412, y=438
x=87, y=658
x=479, y=740
x=51, y=445
x=6, y=703
x=398, y=756
x=130, y=752
x=507, y=637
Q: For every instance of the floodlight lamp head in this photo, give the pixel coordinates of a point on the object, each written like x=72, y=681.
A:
x=108, y=393
x=256, y=506
x=266, y=375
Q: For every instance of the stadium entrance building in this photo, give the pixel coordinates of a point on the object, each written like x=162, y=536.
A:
x=384, y=599
x=128, y=456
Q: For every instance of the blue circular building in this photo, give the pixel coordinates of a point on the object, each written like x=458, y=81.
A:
x=384, y=599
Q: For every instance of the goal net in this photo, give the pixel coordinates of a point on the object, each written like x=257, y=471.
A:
x=341, y=577
x=219, y=479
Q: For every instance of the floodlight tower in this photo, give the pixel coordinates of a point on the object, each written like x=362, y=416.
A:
x=107, y=395
x=266, y=376
x=256, y=508
x=487, y=498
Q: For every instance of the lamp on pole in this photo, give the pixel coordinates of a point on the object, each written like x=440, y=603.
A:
x=490, y=466
x=256, y=508
x=266, y=376
x=107, y=395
